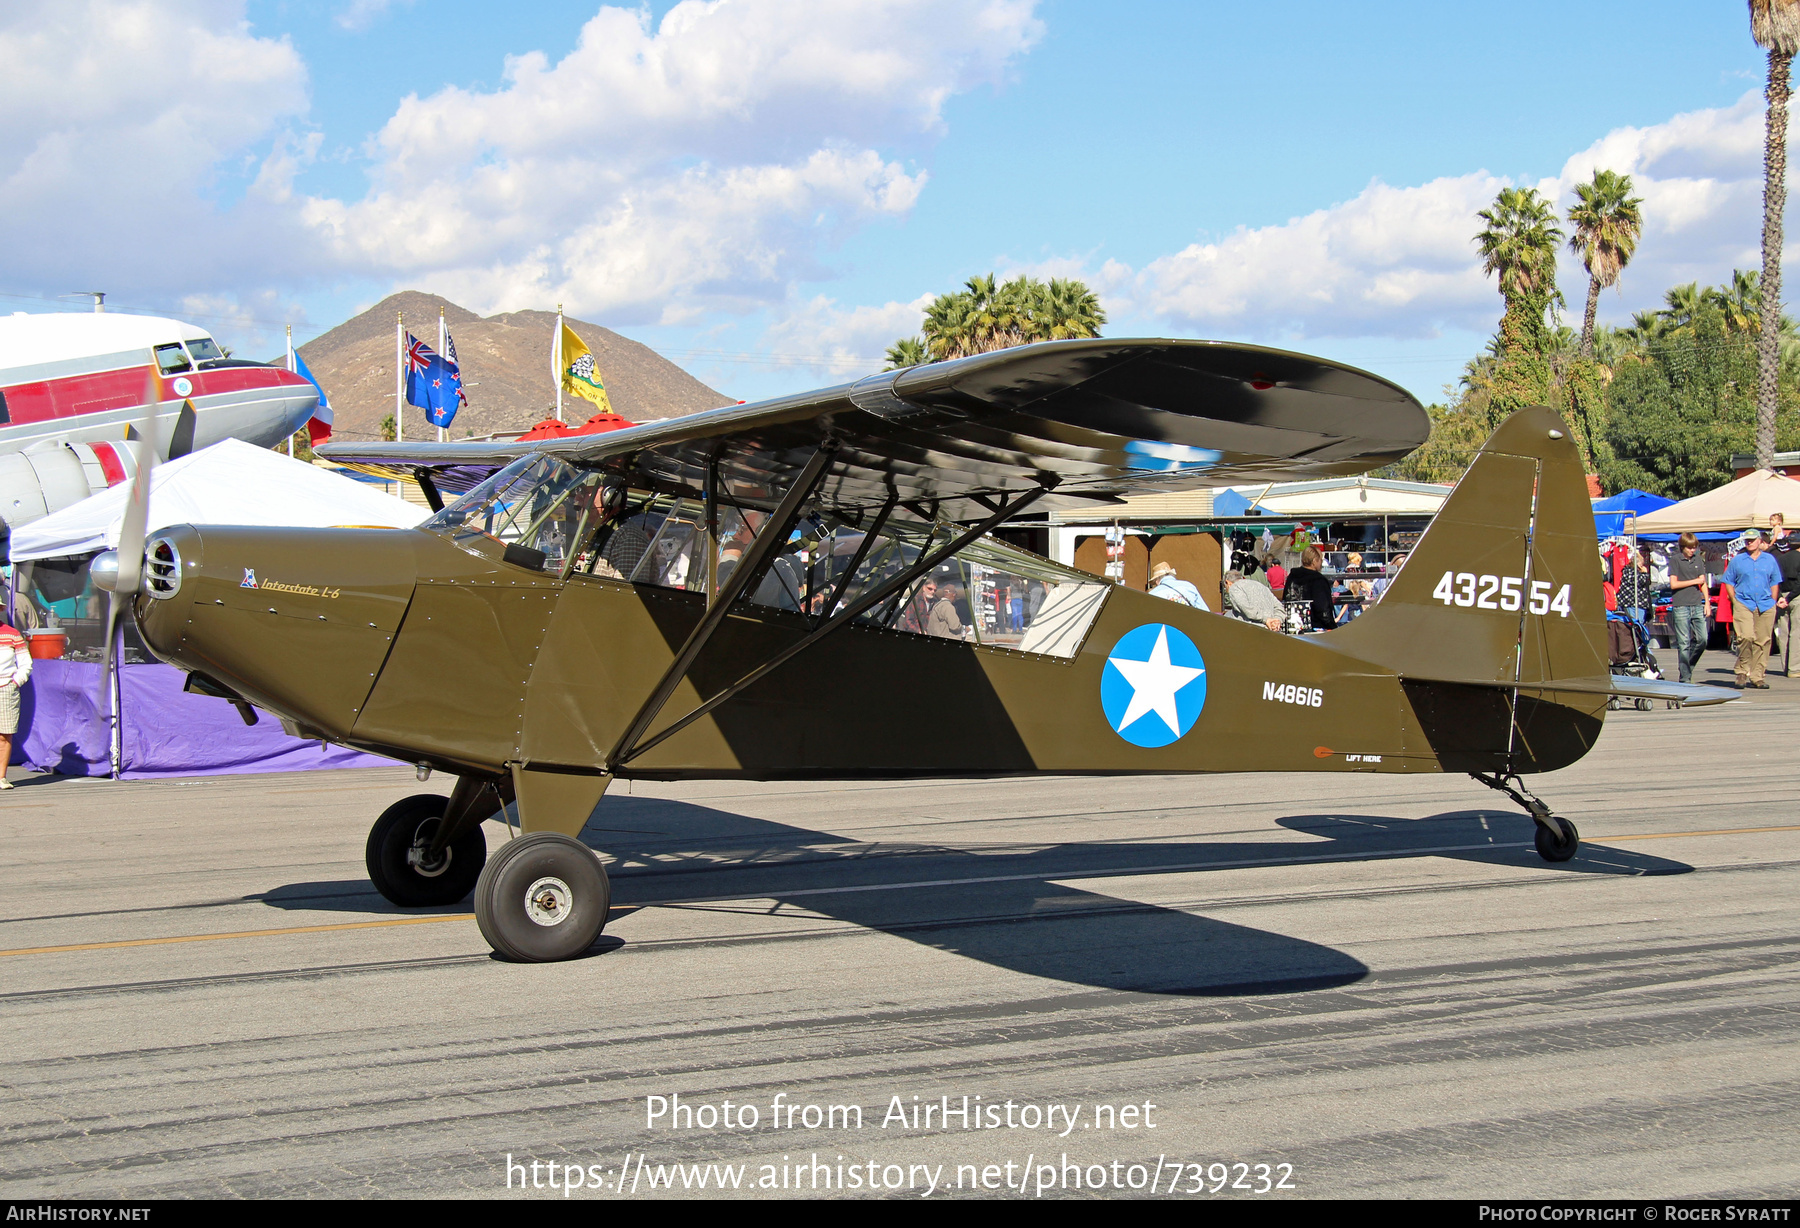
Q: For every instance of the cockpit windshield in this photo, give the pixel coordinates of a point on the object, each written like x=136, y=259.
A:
x=522, y=511
x=547, y=515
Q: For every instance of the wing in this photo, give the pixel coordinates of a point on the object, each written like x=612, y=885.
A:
x=1098, y=418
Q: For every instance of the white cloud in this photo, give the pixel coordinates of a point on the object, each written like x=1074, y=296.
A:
x=821, y=336
x=126, y=122
x=707, y=163
x=1399, y=262
x=660, y=171
x=361, y=14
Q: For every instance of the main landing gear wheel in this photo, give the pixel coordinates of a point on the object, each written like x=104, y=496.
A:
x=1554, y=847
x=543, y=897
x=401, y=866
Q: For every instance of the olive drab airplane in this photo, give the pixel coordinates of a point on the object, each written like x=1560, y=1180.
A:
x=741, y=593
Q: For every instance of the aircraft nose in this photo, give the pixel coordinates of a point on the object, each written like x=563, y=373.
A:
x=297, y=621
x=174, y=562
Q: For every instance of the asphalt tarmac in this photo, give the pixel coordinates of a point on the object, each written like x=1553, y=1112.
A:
x=1373, y=981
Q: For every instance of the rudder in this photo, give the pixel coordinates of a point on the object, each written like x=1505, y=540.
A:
x=1505, y=585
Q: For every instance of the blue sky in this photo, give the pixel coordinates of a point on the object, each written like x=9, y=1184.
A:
x=768, y=208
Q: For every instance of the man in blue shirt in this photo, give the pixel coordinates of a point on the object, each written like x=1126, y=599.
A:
x=1165, y=583
x=1753, y=580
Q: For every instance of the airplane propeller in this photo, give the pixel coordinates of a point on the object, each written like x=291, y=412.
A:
x=119, y=571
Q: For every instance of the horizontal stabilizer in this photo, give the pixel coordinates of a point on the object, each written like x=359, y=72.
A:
x=1625, y=686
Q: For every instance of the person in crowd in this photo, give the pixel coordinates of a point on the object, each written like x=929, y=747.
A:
x=15, y=668
x=918, y=611
x=1379, y=587
x=1307, y=583
x=1252, y=602
x=1779, y=541
x=944, y=621
x=1634, y=592
x=1688, y=582
x=1166, y=584
x=1754, y=581
x=1275, y=576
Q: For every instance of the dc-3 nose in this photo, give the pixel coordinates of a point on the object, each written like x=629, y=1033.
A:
x=296, y=621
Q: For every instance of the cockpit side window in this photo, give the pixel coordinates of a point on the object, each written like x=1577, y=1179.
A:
x=171, y=359
x=204, y=349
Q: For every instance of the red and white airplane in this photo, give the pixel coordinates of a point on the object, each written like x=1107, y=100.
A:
x=73, y=384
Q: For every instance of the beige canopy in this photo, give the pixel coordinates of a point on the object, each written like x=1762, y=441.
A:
x=1744, y=504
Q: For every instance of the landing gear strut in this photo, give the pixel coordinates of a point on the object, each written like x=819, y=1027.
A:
x=1557, y=838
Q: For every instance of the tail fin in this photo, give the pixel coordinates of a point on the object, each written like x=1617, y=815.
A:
x=1505, y=585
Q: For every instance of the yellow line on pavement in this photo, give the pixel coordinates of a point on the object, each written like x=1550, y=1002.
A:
x=1671, y=835
x=297, y=929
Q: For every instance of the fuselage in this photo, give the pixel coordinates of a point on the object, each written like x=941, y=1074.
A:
x=402, y=643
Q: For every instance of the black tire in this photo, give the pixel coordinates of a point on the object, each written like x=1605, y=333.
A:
x=543, y=897
x=1643, y=705
x=1552, y=848
x=413, y=821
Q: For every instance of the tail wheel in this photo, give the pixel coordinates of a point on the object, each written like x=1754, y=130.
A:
x=1559, y=844
x=401, y=866
x=543, y=897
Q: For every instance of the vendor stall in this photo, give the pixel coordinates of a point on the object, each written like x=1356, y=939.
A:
x=68, y=709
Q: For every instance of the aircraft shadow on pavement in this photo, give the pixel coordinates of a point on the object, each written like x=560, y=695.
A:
x=998, y=904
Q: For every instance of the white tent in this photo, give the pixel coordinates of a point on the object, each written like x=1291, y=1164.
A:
x=231, y=482
x=1744, y=504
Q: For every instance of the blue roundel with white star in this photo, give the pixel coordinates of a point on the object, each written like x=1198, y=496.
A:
x=1154, y=685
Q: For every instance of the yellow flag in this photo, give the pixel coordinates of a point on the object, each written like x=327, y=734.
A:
x=579, y=374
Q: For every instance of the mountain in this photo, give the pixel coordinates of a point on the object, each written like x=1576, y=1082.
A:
x=505, y=367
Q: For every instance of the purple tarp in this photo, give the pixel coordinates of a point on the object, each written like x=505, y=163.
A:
x=168, y=732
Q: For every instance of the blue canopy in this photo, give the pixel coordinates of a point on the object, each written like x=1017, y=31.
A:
x=1610, y=514
x=1228, y=502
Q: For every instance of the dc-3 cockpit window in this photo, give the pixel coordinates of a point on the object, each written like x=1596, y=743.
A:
x=550, y=516
x=171, y=359
x=204, y=349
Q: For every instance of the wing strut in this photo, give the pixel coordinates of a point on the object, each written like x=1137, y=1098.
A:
x=773, y=532
x=628, y=750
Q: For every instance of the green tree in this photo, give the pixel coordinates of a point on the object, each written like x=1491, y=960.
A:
x=1775, y=25
x=1457, y=433
x=387, y=428
x=1518, y=245
x=1675, y=418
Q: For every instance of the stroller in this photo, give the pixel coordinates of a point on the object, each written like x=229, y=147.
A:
x=1628, y=643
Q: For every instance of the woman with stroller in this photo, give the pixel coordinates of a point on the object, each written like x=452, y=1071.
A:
x=1635, y=589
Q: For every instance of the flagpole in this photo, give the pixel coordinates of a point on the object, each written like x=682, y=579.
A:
x=442, y=350
x=399, y=375
x=556, y=356
x=290, y=340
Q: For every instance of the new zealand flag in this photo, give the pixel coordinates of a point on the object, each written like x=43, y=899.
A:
x=433, y=381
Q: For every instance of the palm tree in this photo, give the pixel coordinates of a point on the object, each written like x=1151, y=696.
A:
x=1682, y=308
x=986, y=315
x=1519, y=243
x=1775, y=25
x=1740, y=302
x=1607, y=225
x=907, y=352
